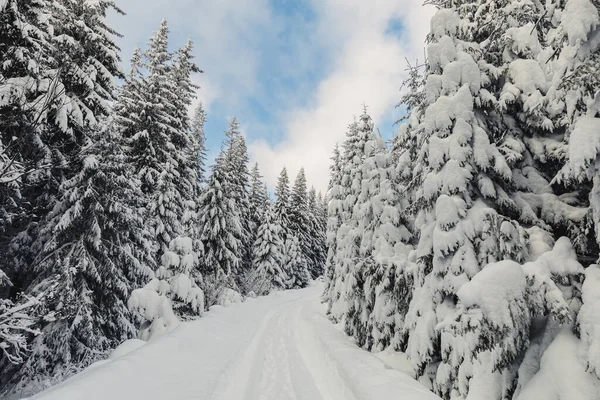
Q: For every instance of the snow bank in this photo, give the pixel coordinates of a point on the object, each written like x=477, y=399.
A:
x=561, y=375
x=589, y=321
x=343, y=371
x=229, y=297
x=126, y=347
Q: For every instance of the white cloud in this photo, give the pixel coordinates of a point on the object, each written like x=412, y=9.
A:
x=369, y=67
x=230, y=37
x=225, y=33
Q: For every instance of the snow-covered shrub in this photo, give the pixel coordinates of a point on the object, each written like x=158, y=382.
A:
x=229, y=297
x=173, y=293
x=155, y=309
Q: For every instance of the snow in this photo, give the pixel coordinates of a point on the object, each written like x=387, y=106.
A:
x=444, y=22
x=525, y=39
x=584, y=144
x=229, y=297
x=578, y=19
x=276, y=347
x=492, y=290
x=561, y=375
x=126, y=347
x=589, y=320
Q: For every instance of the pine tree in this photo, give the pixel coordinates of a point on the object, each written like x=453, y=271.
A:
x=316, y=233
x=95, y=251
x=294, y=264
x=333, y=212
x=24, y=41
x=268, y=273
x=348, y=236
x=235, y=162
x=282, y=200
x=265, y=197
x=184, y=139
x=152, y=111
x=300, y=222
x=257, y=201
x=220, y=231
x=199, y=151
x=385, y=249
x=573, y=104
x=475, y=182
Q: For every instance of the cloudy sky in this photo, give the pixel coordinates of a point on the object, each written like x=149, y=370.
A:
x=294, y=72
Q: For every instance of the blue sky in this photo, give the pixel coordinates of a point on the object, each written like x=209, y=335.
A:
x=294, y=73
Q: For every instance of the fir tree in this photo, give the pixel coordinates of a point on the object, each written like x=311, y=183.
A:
x=282, y=199
x=316, y=232
x=185, y=140
x=335, y=197
x=300, y=222
x=348, y=236
x=474, y=182
x=220, y=230
x=152, y=111
x=268, y=273
x=95, y=251
x=257, y=201
x=199, y=150
x=294, y=264
x=235, y=162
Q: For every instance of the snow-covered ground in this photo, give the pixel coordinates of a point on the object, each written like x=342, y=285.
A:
x=275, y=347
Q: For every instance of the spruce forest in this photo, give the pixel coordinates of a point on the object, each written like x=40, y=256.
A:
x=466, y=245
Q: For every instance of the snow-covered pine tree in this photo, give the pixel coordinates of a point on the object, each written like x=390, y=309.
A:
x=380, y=309
x=154, y=153
x=184, y=138
x=57, y=80
x=282, y=200
x=300, y=222
x=257, y=201
x=316, y=233
x=95, y=250
x=265, y=196
x=235, y=162
x=197, y=127
x=152, y=111
x=348, y=235
x=334, y=221
x=267, y=273
x=473, y=178
x=178, y=280
x=574, y=104
x=80, y=70
x=220, y=234
x=320, y=212
x=24, y=42
x=294, y=264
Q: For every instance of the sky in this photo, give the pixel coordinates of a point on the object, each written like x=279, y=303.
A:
x=294, y=72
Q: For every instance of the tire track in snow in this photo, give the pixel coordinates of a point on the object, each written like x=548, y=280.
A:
x=237, y=379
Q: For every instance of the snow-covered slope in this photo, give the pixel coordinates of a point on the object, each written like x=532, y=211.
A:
x=275, y=347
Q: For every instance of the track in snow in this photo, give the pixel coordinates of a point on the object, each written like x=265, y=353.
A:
x=277, y=347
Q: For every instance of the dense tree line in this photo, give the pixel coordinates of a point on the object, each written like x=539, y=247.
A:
x=104, y=203
x=465, y=242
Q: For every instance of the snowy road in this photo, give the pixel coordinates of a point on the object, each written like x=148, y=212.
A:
x=277, y=347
